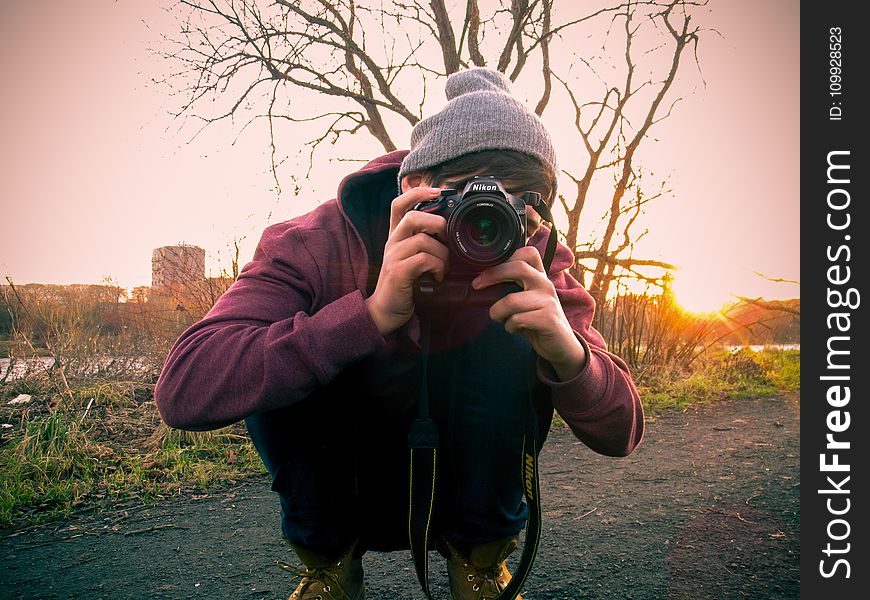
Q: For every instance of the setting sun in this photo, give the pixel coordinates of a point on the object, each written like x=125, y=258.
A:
x=700, y=290
x=697, y=292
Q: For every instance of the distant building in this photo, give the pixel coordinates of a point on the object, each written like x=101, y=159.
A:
x=174, y=267
x=179, y=283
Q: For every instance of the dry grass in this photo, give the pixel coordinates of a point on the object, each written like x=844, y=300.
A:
x=103, y=446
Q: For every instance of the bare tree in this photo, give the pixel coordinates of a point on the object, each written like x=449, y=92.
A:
x=369, y=66
x=612, y=144
x=264, y=60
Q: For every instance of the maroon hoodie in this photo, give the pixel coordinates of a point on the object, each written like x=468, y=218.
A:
x=296, y=317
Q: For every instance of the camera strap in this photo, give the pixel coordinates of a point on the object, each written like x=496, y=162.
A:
x=423, y=447
x=533, y=199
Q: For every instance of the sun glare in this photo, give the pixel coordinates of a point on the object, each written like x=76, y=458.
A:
x=696, y=297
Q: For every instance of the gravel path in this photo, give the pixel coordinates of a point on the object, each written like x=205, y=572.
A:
x=706, y=507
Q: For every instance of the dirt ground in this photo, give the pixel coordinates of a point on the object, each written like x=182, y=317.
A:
x=706, y=507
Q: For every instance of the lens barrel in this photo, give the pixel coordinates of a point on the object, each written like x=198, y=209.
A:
x=485, y=230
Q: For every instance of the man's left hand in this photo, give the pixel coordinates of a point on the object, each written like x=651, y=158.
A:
x=535, y=312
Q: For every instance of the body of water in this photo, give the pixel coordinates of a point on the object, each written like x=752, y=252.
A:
x=22, y=366
x=760, y=347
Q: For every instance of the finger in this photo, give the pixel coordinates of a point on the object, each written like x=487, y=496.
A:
x=547, y=310
x=416, y=244
x=518, y=271
x=402, y=204
x=419, y=222
x=539, y=321
x=414, y=266
x=515, y=303
x=529, y=255
x=524, y=321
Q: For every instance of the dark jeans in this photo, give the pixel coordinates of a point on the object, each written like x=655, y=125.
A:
x=339, y=459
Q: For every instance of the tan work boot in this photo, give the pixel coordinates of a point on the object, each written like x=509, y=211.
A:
x=327, y=579
x=482, y=574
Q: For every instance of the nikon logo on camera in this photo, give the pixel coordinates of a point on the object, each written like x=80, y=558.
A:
x=483, y=187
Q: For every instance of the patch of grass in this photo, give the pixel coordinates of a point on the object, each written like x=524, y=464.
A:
x=722, y=374
x=105, y=445
x=783, y=367
x=40, y=468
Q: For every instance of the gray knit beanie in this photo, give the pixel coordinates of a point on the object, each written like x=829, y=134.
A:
x=480, y=115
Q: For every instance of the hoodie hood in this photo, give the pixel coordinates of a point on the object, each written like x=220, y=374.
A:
x=382, y=167
x=364, y=199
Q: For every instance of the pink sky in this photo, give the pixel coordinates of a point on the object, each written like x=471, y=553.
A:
x=95, y=174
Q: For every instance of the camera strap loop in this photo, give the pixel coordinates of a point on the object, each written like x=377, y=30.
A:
x=423, y=448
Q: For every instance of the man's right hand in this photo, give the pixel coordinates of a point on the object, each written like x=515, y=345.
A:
x=413, y=248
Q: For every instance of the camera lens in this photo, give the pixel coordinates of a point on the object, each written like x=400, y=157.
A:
x=483, y=230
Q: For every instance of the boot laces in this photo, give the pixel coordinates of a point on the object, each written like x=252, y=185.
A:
x=326, y=577
x=486, y=580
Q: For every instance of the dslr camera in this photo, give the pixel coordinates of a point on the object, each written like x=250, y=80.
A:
x=485, y=226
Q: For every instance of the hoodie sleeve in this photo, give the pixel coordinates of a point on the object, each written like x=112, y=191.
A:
x=600, y=404
x=261, y=347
